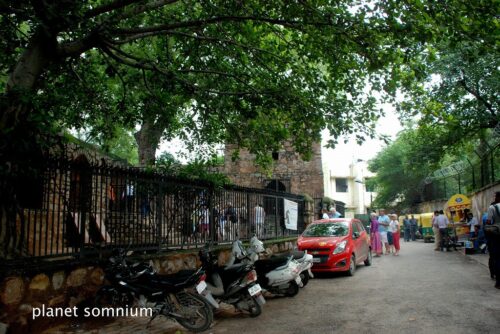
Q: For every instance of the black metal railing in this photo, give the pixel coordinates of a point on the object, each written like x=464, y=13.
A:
x=464, y=176
x=75, y=209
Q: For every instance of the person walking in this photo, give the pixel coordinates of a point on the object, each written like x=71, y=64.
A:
x=383, y=221
x=394, y=230
x=406, y=228
x=413, y=228
x=375, y=235
x=435, y=230
x=492, y=232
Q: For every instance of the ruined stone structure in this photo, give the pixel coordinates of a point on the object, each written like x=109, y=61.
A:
x=290, y=173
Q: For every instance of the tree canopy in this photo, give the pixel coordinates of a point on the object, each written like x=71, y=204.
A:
x=254, y=72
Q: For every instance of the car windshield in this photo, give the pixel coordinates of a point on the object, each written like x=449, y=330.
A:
x=339, y=229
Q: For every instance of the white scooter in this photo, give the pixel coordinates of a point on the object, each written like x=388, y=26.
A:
x=305, y=261
x=279, y=275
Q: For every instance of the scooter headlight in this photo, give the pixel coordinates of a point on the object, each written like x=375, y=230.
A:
x=340, y=247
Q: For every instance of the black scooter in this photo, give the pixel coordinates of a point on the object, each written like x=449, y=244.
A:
x=183, y=296
x=235, y=284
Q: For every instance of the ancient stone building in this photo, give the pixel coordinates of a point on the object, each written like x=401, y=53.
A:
x=290, y=173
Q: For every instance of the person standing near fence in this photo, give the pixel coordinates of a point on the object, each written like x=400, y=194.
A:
x=259, y=218
x=492, y=232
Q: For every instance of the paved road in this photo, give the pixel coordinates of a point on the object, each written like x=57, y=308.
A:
x=421, y=291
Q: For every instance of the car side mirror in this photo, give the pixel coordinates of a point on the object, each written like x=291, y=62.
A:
x=355, y=235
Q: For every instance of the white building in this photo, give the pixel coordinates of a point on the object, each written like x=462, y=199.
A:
x=345, y=180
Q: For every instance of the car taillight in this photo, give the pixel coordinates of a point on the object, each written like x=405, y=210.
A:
x=202, y=278
x=251, y=276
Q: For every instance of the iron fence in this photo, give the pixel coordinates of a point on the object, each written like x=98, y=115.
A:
x=76, y=209
x=462, y=177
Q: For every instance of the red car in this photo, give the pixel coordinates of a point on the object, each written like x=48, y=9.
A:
x=337, y=244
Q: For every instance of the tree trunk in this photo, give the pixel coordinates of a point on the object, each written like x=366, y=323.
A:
x=23, y=78
x=148, y=139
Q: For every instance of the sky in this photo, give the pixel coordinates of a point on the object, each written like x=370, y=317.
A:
x=345, y=154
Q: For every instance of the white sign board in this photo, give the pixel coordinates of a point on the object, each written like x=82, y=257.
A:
x=291, y=213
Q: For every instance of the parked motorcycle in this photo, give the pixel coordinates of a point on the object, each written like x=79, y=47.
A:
x=235, y=284
x=279, y=276
x=305, y=261
x=183, y=296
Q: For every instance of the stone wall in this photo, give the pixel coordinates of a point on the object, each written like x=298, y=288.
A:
x=300, y=176
x=78, y=284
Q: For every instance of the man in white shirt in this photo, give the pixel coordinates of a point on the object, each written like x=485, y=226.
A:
x=441, y=222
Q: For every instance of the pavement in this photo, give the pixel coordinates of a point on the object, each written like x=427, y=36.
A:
x=420, y=291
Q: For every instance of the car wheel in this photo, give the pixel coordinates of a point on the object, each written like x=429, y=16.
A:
x=352, y=266
x=368, y=261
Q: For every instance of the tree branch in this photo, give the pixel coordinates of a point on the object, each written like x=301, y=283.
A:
x=219, y=19
x=476, y=94
x=108, y=8
x=144, y=8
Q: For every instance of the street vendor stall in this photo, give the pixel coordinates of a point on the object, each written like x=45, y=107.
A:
x=456, y=209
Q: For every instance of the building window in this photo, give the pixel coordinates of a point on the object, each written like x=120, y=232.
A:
x=369, y=185
x=341, y=185
x=276, y=156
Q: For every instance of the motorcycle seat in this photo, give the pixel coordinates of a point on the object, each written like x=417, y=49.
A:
x=297, y=255
x=173, y=280
x=270, y=264
x=235, y=268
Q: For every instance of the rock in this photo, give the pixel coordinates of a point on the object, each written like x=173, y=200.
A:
x=77, y=277
x=97, y=276
x=40, y=282
x=58, y=300
x=170, y=267
x=179, y=265
x=12, y=291
x=190, y=262
x=25, y=309
x=58, y=280
x=74, y=301
x=275, y=249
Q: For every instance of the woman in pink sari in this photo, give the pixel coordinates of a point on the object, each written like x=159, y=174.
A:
x=375, y=235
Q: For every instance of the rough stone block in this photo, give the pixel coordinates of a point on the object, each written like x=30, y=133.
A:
x=77, y=278
x=58, y=300
x=58, y=280
x=97, y=276
x=40, y=282
x=12, y=291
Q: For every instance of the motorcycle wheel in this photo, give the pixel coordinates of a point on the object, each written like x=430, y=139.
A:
x=254, y=308
x=196, y=313
x=109, y=297
x=304, y=276
x=292, y=290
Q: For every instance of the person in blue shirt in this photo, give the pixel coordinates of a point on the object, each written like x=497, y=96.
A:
x=383, y=221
